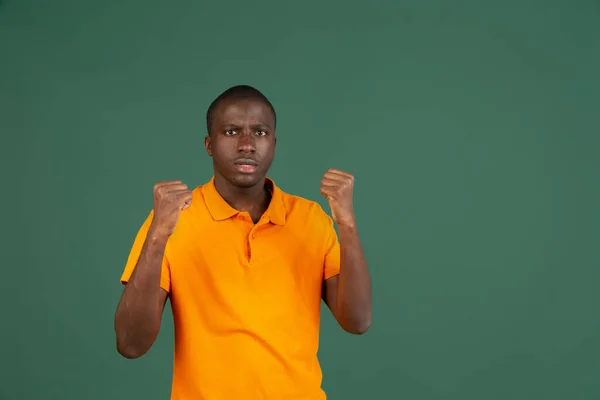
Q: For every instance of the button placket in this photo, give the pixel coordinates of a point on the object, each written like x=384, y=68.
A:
x=248, y=229
x=252, y=237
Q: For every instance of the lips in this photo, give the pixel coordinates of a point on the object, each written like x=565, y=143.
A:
x=246, y=165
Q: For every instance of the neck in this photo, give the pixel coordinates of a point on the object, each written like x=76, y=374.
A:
x=253, y=199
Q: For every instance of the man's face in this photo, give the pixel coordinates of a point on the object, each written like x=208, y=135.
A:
x=242, y=141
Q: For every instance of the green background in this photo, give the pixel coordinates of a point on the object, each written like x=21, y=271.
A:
x=472, y=128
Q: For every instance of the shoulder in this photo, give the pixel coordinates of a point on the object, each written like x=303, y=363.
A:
x=309, y=211
x=198, y=210
x=199, y=195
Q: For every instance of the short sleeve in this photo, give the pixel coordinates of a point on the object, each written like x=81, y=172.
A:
x=134, y=254
x=332, y=249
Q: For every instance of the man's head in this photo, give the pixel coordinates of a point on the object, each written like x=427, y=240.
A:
x=241, y=135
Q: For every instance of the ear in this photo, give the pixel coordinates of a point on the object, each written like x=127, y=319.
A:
x=207, y=145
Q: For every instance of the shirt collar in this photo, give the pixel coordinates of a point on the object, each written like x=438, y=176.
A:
x=220, y=210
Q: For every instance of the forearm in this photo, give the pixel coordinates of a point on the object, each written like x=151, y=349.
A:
x=138, y=316
x=353, y=301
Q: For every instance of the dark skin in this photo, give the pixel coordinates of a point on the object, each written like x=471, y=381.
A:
x=139, y=313
x=243, y=129
x=348, y=295
x=240, y=130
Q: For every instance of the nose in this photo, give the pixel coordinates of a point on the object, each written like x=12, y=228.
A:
x=246, y=143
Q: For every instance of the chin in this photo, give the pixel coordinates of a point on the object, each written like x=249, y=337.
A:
x=245, y=180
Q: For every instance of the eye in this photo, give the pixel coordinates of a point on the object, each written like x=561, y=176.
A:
x=230, y=132
x=261, y=132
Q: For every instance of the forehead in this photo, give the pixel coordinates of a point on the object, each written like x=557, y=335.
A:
x=244, y=110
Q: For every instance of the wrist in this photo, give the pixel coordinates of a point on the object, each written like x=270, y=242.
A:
x=347, y=224
x=157, y=234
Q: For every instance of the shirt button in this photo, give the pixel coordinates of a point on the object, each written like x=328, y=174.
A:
x=253, y=235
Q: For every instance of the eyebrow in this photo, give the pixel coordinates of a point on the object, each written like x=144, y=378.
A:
x=257, y=125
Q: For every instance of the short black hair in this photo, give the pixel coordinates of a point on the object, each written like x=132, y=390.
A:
x=237, y=92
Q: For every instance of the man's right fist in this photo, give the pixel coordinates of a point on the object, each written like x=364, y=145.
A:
x=170, y=198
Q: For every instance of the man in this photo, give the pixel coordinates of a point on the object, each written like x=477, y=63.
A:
x=245, y=266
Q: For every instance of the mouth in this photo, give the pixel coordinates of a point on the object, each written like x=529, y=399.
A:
x=246, y=165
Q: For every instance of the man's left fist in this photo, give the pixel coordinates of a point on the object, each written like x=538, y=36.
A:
x=337, y=187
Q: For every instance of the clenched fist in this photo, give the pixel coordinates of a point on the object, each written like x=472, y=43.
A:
x=337, y=187
x=170, y=198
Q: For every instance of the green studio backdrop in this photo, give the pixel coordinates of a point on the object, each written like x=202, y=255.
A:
x=472, y=129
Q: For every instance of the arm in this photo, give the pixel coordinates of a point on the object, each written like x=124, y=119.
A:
x=348, y=295
x=139, y=313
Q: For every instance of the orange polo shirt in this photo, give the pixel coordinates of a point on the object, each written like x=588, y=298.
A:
x=245, y=297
